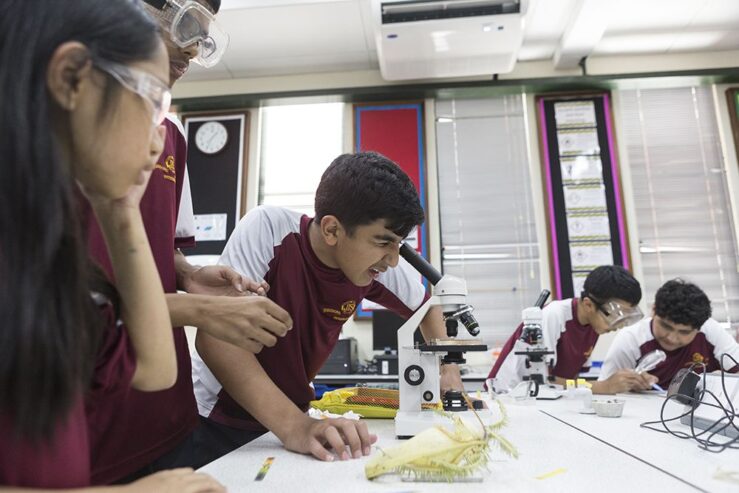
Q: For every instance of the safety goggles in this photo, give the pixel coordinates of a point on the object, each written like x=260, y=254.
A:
x=189, y=23
x=617, y=315
x=152, y=90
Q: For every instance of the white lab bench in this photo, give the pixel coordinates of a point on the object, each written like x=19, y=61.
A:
x=570, y=451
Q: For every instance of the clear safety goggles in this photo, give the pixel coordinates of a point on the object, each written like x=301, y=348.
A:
x=617, y=315
x=188, y=23
x=153, y=91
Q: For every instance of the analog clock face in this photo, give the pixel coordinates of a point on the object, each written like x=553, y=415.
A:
x=211, y=137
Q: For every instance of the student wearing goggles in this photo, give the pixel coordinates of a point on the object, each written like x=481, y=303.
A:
x=617, y=314
x=192, y=29
x=153, y=91
x=155, y=430
x=571, y=328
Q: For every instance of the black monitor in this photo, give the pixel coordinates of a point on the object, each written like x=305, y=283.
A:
x=385, y=325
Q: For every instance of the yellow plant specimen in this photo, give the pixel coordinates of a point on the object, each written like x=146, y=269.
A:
x=438, y=454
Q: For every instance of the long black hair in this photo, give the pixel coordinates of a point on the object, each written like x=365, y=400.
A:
x=49, y=331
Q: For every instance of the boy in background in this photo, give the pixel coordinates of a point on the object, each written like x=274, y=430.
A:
x=682, y=327
x=571, y=327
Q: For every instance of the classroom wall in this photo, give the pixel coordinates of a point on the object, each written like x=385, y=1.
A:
x=596, y=66
x=361, y=330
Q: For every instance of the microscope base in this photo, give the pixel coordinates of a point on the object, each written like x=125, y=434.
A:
x=410, y=423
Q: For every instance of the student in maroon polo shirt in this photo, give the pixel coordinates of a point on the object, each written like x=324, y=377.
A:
x=319, y=269
x=571, y=328
x=682, y=327
x=151, y=431
x=73, y=63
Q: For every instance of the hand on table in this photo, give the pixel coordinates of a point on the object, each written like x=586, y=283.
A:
x=327, y=439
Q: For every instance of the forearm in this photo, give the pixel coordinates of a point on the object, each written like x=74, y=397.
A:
x=183, y=269
x=241, y=375
x=432, y=326
x=144, y=308
x=186, y=309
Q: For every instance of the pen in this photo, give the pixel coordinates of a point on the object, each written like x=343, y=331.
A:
x=657, y=387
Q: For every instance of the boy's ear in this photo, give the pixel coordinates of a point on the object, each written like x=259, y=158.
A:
x=330, y=227
x=587, y=303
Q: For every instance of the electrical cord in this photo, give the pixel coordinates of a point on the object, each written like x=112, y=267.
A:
x=706, y=438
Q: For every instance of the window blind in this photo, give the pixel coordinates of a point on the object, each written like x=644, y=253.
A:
x=680, y=193
x=488, y=232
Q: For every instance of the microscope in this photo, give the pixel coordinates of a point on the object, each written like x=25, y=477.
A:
x=537, y=368
x=418, y=366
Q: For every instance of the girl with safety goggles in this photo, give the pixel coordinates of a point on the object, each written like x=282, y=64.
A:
x=80, y=117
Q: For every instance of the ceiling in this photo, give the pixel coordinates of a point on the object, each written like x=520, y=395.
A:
x=286, y=37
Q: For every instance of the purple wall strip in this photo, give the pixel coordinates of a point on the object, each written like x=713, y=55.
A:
x=557, y=288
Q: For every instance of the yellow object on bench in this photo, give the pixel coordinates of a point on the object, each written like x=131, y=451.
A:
x=367, y=402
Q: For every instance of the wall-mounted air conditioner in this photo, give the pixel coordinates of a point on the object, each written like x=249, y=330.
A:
x=422, y=39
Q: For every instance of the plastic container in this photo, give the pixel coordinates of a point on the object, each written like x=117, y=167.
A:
x=580, y=395
x=609, y=408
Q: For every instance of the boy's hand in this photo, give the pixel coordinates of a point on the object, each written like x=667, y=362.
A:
x=220, y=280
x=249, y=322
x=627, y=380
x=323, y=438
x=182, y=480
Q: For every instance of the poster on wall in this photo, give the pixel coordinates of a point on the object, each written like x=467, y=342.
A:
x=585, y=218
x=396, y=131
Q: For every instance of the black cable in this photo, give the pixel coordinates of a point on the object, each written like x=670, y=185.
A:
x=709, y=443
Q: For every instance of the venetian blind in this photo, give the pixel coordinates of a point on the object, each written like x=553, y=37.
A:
x=679, y=187
x=488, y=232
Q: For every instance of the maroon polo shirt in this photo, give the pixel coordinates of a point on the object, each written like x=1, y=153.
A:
x=63, y=461
x=132, y=431
x=698, y=351
x=273, y=244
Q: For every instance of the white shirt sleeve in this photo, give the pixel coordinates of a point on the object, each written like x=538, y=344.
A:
x=623, y=353
x=185, y=219
x=722, y=343
x=250, y=248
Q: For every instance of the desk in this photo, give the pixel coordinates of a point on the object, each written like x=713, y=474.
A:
x=598, y=455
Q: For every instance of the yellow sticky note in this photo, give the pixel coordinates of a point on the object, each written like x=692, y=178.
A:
x=552, y=473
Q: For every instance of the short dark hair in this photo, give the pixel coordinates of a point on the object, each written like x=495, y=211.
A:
x=682, y=303
x=611, y=281
x=361, y=188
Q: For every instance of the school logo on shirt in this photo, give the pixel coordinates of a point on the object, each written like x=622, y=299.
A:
x=698, y=359
x=343, y=313
x=168, y=170
x=348, y=307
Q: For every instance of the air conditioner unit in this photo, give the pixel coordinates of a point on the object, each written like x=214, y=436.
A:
x=423, y=39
